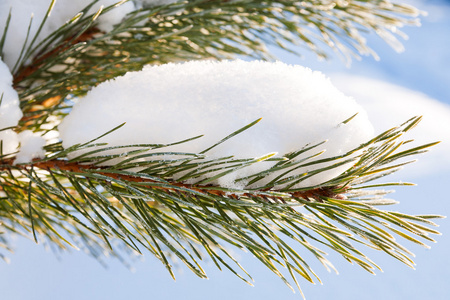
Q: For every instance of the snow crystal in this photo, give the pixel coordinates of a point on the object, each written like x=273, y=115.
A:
x=10, y=112
x=64, y=10
x=31, y=146
x=172, y=102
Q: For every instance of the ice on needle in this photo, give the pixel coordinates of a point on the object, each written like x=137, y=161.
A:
x=172, y=102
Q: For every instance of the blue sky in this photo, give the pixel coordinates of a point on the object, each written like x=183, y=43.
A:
x=35, y=273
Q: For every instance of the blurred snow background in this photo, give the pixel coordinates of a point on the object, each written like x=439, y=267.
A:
x=420, y=80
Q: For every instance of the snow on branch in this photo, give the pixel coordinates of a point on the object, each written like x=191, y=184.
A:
x=10, y=114
x=173, y=102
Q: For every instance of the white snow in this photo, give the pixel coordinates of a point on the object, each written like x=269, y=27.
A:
x=9, y=141
x=31, y=146
x=173, y=102
x=10, y=112
x=64, y=10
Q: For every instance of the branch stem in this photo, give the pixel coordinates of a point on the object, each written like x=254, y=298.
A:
x=314, y=194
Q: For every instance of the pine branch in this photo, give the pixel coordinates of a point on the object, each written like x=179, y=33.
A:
x=167, y=208
x=312, y=194
x=148, y=209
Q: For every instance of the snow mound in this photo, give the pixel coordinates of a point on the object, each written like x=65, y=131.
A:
x=173, y=102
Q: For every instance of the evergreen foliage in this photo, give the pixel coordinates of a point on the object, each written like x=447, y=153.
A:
x=80, y=203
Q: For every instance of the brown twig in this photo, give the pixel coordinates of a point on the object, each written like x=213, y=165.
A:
x=316, y=194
